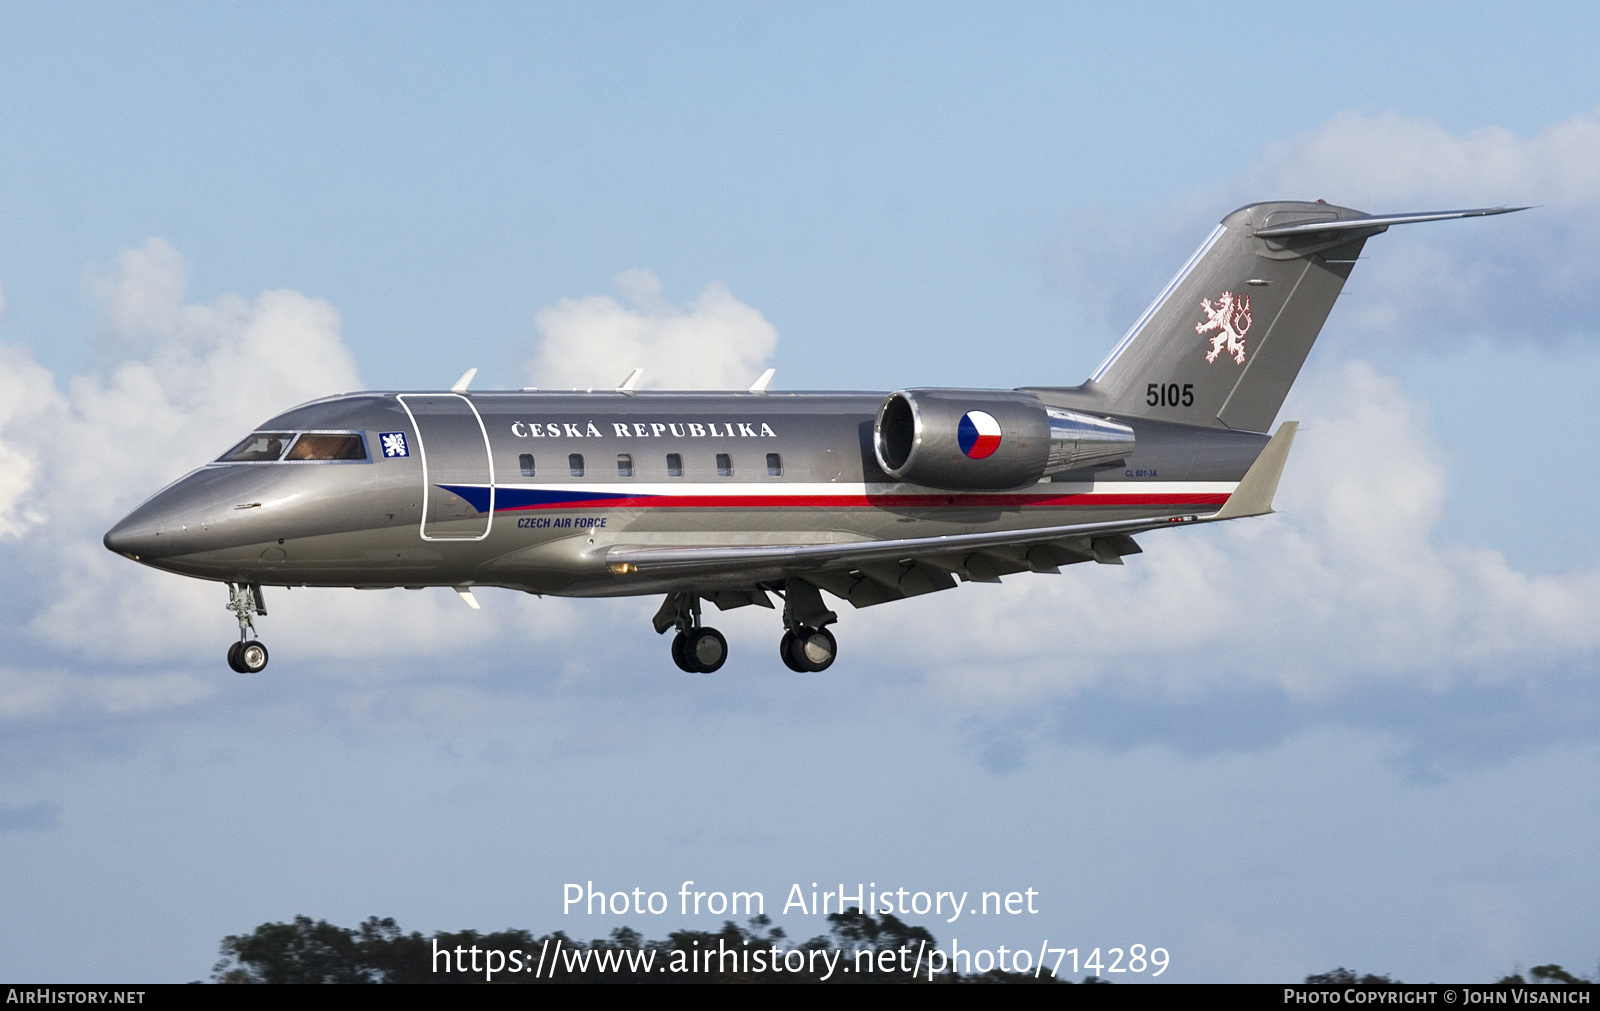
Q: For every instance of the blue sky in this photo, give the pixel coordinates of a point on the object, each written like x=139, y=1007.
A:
x=1360, y=732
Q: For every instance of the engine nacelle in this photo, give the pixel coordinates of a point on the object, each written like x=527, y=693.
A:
x=988, y=439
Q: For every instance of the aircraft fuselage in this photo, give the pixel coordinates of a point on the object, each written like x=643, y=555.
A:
x=529, y=490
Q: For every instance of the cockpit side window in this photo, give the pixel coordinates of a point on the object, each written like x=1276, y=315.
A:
x=258, y=447
x=328, y=446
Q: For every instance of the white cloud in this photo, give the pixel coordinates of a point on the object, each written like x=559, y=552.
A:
x=1346, y=585
x=715, y=342
x=1523, y=277
x=142, y=296
x=188, y=380
x=191, y=379
x=29, y=694
x=28, y=399
x=194, y=378
x=1377, y=159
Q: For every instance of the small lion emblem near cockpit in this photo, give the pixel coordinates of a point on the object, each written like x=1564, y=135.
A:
x=394, y=444
x=1230, y=317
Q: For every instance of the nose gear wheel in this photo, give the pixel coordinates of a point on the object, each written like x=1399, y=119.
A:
x=248, y=657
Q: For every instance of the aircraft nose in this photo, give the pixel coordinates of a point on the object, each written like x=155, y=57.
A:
x=170, y=523
x=139, y=536
x=211, y=509
x=134, y=537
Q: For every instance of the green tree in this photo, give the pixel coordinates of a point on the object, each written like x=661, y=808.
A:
x=1344, y=977
x=300, y=952
x=378, y=951
x=1553, y=974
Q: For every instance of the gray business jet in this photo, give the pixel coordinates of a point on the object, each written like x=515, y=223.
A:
x=739, y=497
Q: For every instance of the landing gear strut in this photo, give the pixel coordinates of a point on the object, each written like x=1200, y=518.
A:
x=247, y=656
x=807, y=647
x=695, y=648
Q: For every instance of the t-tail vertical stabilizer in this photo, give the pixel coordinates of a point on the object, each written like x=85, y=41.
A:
x=1224, y=341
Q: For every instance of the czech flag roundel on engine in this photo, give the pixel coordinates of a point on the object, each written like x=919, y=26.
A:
x=978, y=434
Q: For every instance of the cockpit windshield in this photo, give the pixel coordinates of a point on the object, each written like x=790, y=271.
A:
x=259, y=447
x=328, y=446
x=268, y=447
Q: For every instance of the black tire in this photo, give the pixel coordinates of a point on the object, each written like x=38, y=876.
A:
x=814, y=650
x=233, y=657
x=786, y=651
x=680, y=653
x=706, y=649
x=252, y=657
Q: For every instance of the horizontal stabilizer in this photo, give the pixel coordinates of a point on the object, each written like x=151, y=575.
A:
x=1379, y=221
x=1254, y=495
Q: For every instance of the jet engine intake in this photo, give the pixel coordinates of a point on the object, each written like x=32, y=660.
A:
x=988, y=439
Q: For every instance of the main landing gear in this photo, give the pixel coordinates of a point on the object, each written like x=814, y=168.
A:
x=807, y=646
x=696, y=648
x=247, y=656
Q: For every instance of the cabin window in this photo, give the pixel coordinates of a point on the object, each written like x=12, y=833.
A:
x=328, y=446
x=575, y=464
x=526, y=462
x=724, y=465
x=774, y=465
x=674, y=465
x=624, y=465
x=259, y=447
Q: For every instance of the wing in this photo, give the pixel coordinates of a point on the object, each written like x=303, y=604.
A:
x=874, y=571
x=871, y=572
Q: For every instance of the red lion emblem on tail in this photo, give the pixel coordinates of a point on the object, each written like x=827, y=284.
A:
x=1230, y=317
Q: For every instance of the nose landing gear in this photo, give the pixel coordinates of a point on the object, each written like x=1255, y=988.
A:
x=248, y=655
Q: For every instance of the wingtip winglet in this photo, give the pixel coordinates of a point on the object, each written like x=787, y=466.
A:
x=1254, y=495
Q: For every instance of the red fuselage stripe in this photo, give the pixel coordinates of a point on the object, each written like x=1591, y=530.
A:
x=874, y=501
